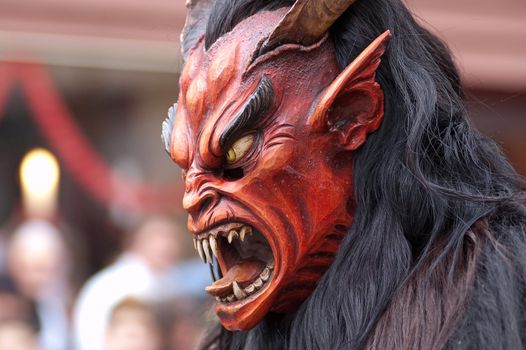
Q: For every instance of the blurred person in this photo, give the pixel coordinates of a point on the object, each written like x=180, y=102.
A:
x=17, y=335
x=142, y=271
x=132, y=325
x=3, y=259
x=189, y=278
x=37, y=261
x=18, y=320
x=189, y=316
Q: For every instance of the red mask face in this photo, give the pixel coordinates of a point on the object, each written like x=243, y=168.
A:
x=266, y=146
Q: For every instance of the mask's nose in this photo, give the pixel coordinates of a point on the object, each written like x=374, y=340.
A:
x=196, y=200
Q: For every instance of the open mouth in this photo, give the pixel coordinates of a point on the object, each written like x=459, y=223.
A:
x=240, y=258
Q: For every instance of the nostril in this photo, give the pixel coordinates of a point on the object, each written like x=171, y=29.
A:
x=207, y=202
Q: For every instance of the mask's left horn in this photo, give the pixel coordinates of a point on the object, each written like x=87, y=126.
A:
x=195, y=25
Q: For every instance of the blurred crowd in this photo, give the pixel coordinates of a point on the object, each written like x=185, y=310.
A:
x=148, y=298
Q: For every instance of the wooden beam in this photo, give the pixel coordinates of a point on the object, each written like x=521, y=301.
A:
x=486, y=38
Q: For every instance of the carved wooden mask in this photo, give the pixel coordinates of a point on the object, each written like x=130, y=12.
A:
x=265, y=135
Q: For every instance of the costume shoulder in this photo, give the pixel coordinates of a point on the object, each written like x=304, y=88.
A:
x=496, y=314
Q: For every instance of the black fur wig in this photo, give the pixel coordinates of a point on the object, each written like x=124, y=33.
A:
x=436, y=257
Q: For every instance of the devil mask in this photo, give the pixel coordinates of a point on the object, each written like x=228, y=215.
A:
x=265, y=130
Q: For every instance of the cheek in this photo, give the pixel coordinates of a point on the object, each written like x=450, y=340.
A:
x=304, y=184
x=324, y=192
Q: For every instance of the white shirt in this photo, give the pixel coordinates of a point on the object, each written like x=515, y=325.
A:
x=129, y=276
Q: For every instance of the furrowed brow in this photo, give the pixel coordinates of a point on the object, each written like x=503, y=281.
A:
x=254, y=108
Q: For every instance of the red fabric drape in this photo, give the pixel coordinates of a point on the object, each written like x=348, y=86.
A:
x=5, y=82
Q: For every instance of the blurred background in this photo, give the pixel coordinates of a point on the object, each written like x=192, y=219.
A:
x=93, y=246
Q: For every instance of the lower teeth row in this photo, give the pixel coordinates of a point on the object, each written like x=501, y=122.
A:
x=240, y=293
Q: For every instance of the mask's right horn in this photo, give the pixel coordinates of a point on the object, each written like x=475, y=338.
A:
x=306, y=22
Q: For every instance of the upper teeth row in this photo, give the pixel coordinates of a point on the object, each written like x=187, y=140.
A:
x=207, y=245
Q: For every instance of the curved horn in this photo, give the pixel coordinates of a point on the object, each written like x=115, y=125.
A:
x=195, y=25
x=306, y=22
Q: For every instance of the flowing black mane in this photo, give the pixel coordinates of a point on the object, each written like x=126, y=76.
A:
x=436, y=257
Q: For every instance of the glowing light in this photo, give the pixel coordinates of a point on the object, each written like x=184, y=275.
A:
x=39, y=178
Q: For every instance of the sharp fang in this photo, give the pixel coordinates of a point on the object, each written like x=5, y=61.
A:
x=250, y=289
x=230, y=298
x=219, y=299
x=265, y=275
x=258, y=283
x=200, y=251
x=246, y=230
x=238, y=292
x=231, y=235
x=213, y=245
x=207, y=251
x=195, y=244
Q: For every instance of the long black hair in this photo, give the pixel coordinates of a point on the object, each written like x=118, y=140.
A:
x=436, y=257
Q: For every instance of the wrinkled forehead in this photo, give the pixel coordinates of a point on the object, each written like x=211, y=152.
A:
x=211, y=79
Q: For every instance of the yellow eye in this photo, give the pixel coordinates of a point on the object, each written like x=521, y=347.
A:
x=239, y=149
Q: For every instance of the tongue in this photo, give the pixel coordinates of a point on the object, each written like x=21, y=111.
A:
x=244, y=272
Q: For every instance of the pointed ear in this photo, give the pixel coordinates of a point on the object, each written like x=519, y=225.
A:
x=353, y=105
